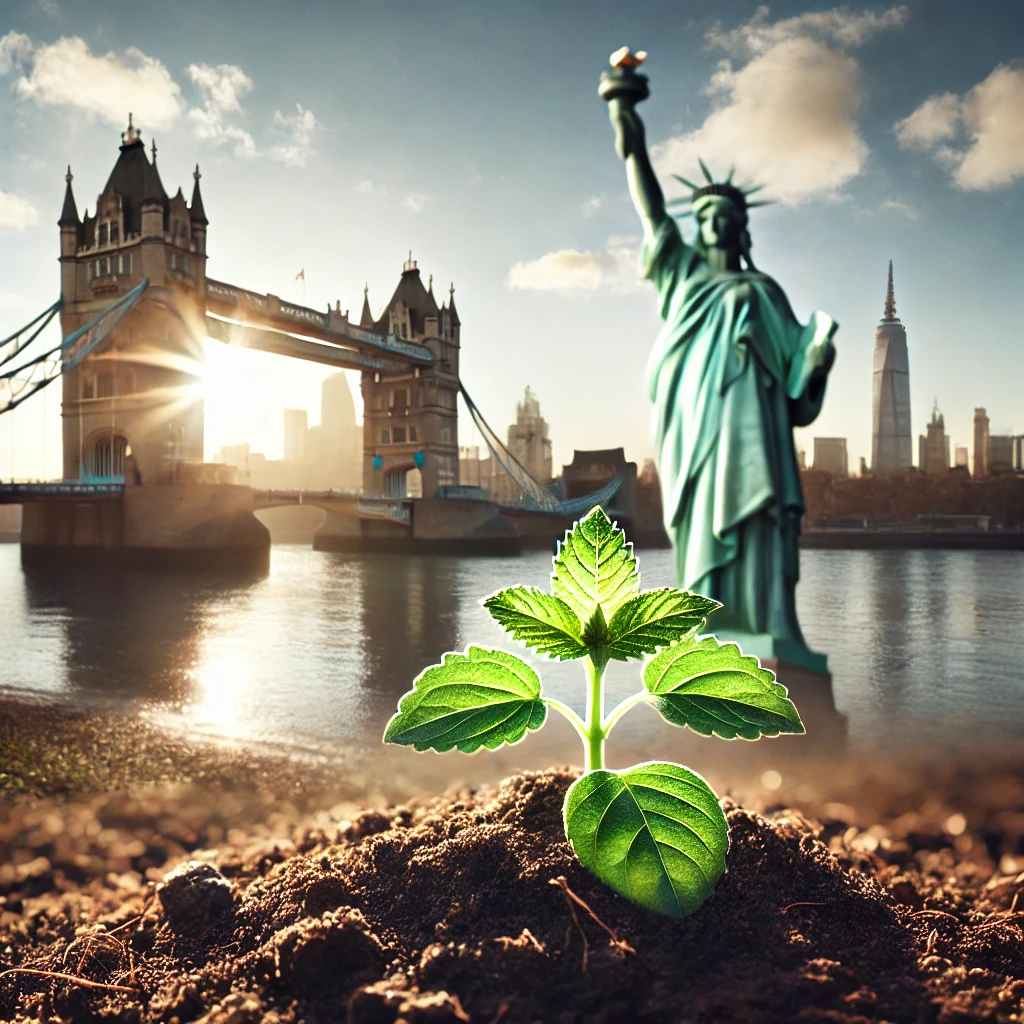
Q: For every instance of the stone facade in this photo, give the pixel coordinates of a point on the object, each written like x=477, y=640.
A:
x=410, y=418
x=138, y=394
x=528, y=439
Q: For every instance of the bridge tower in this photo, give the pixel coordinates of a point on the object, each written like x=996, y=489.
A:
x=410, y=419
x=138, y=393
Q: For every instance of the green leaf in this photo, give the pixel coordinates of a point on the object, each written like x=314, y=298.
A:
x=482, y=698
x=594, y=565
x=715, y=688
x=656, y=618
x=655, y=833
x=595, y=632
x=543, y=622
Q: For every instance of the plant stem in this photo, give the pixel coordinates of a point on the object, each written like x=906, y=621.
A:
x=595, y=733
x=574, y=719
x=621, y=708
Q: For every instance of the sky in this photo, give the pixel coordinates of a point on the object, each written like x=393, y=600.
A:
x=334, y=137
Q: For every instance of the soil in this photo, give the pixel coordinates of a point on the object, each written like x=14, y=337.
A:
x=471, y=908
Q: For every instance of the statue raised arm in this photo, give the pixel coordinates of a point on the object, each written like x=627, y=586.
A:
x=731, y=373
x=623, y=88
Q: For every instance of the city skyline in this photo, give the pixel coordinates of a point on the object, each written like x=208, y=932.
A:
x=530, y=218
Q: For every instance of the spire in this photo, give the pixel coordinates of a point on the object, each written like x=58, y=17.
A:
x=455, y=321
x=889, y=316
x=366, y=317
x=153, y=151
x=196, y=212
x=130, y=137
x=69, y=213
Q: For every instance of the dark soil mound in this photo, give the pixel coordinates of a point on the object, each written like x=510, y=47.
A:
x=473, y=909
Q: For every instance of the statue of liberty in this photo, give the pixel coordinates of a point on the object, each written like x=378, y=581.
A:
x=731, y=373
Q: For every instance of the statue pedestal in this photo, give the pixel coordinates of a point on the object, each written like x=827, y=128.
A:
x=805, y=675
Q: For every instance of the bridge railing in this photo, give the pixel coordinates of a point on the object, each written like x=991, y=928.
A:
x=271, y=308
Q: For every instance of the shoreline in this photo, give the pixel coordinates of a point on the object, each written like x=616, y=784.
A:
x=51, y=750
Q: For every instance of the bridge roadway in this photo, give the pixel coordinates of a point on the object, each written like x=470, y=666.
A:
x=349, y=503
x=267, y=323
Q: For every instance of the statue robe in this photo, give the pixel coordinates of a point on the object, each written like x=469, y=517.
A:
x=729, y=379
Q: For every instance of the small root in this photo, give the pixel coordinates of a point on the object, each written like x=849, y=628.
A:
x=59, y=975
x=563, y=885
x=620, y=944
x=804, y=903
x=933, y=937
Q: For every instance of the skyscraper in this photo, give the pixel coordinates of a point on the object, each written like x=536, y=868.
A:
x=890, y=434
x=830, y=456
x=933, y=446
x=296, y=427
x=980, y=444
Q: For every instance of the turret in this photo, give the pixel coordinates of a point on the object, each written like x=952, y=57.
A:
x=70, y=231
x=453, y=316
x=366, y=317
x=197, y=214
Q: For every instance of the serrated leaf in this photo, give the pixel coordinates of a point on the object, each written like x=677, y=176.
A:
x=594, y=565
x=481, y=698
x=715, y=688
x=654, y=833
x=543, y=622
x=655, y=618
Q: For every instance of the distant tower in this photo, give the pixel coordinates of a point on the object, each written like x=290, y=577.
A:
x=528, y=439
x=980, y=443
x=296, y=430
x=340, y=439
x=933, y=447
x=890, y=435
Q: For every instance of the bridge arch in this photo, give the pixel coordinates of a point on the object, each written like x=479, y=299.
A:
x=104, y=452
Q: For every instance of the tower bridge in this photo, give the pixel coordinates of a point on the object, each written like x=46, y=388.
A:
x=135, y=307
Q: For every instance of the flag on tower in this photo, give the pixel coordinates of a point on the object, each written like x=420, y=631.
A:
x=301, y=275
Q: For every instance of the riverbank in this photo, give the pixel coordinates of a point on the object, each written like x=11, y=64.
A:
x=912, y=540
x=881, y=894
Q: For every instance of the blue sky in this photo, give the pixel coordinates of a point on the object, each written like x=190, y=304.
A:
x=337, y=136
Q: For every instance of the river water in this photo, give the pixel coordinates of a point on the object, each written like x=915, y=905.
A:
x=925, y=647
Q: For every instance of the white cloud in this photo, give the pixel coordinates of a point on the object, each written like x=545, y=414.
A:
x=838, y=25
x=593, y=204
x=569, y=270
x=367, y=187
x=300, y=127
x=48, y=7
x=15, y=50
x=979, y=138
x=222, y=87
x=415, y=202
x=67, y=74
x=16, y=213
x=785, y=104
x=900, y=207
x=476, y=179
x=786, y=119
x=933, y=122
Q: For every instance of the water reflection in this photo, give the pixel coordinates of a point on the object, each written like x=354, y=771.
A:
x=126, y=634
x=924, y=647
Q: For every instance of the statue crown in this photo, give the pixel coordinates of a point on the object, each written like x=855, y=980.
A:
x=718, y=188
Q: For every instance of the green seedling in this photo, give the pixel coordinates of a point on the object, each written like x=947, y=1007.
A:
x=655, y=832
